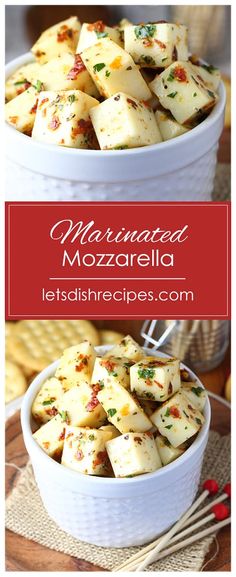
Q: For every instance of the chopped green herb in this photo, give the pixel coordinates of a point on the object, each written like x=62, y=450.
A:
x=146, y=31
x=209, y=67
x=101, y=34
x=38, y=86
x=197, y=391
x=20, y=82
x=111, y=412
x=168, y=426
x=167, y=413
x=91, y=437
x=120, y=147
x=48, y=401
x=71, y=98
x=64, y=415
x=195, y=94
x=172, y=94
x=107, y=73
x=147, y=60
x=146, y=373
x=171, y=76
x=99, y=66
x=211, y=94
x=163, y=59
x=198, y=421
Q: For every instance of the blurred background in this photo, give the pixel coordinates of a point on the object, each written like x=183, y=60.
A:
x=209, y=26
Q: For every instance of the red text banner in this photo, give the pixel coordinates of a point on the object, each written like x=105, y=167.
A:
x=111, y=260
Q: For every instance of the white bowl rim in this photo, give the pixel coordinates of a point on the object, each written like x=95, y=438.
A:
x=95, y=480
x=170, y=145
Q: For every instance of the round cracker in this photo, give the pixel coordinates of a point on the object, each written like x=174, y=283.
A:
x=15, y=382
x=110, y=337
x=35, y=344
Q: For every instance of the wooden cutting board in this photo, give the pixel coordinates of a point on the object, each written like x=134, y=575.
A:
x=24, y=555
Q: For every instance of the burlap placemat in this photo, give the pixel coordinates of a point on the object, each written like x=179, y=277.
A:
x=222, y=185
x=25, y=515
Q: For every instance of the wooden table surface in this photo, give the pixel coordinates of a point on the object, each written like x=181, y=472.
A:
x=24, y=555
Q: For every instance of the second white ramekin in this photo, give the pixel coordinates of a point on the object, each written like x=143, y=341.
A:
x=114, y=512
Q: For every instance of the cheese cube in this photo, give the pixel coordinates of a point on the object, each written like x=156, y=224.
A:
x=20, y=80
x=63, y=118
x=57, y=40
x=124, y=122
x=133, y=454
x=195, y=393
x=20, y=112
x=50, y=437
x=76, y=364
x=81, y=408
x=155, y=378
x=113, y=70
x=123, y=411
x=156, y=45
x=177, y=419
x=208, y=74
x=168, y=126
x=180, y=90
x=128, y=348
x=91, y=33
x=112, y=369
x=166, y=451
x=110, y=429
x=68, y=73
x=45, y=403
x=84, y=450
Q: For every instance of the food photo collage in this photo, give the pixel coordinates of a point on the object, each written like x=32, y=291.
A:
x=117, y=428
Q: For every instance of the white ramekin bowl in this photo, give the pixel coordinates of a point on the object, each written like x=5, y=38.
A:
x=179, y=169
x=114, y=512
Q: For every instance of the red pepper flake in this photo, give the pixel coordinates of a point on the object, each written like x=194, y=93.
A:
x=34, y=108
x=138, y=440
x=79, y=455
x=160, y=44
x=43, y=102
x=147, y=42
x=174, y=412
x=96, y=388
x=77, y=68
x=100, y=458
x=146, y=104
x=180, y=74
x=23, y=88
x=62, y=435
x=108, y=364
x=149, y=434
x=133, y=103
x=13, y=119
x=94, y=402
x=82, y=364
x=64, y=34
x=54, y=123
x=46, y=444
x=52, y=412
x=148, y=382
x=70, y=434
x=98, y=26
x=84, y=127
x=158, y=384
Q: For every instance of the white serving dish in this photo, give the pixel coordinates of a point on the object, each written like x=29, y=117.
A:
x=179, y=169
x=114, y=512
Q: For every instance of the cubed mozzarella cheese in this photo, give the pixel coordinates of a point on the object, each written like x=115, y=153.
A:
x=133, y=454
x=155, y=378
x=110, y=429
x=156, y=45
x=177, y=419
x=68, y=73
x=57, y=40
x=45, y=403
x=50, y=437
x=81, y=408
x=76, y=364
x=112, y=369
x=91, y=33
x=196, y=394
x=63, y=118
x=208, y=74
x=181, y=91
x=128, y=348
x=84, y=450
x=123, y=122
x=122, y=410
x=113, y=70
x=21, y=111
x=22, y=79
x=168, y=126
x=167, y=452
